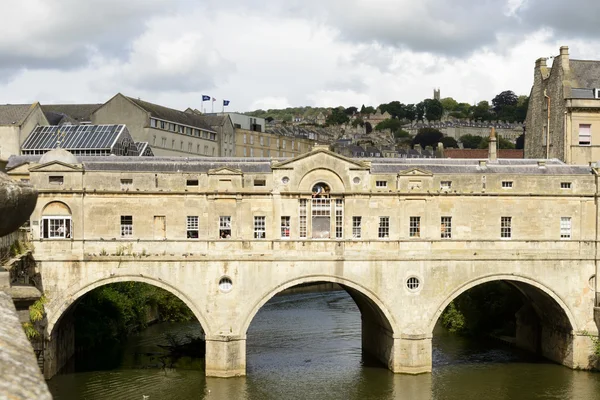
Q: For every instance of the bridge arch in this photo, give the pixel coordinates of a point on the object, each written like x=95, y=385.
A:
x=367, y=300
x=517, y=281
x=69, y=300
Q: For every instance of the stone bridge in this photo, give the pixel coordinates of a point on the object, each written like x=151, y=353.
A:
x=402, y=237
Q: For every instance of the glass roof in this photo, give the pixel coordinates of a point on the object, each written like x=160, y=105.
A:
x=73, y=137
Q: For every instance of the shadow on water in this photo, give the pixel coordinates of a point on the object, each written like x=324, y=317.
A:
x=308, y=346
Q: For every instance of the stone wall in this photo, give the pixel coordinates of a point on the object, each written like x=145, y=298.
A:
x=21, y=376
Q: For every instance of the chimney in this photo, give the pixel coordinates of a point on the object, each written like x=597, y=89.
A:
x=492, y=151
x=440, y=150
x=540, y=62
x=564, y=51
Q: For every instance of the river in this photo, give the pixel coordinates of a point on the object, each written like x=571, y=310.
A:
x=307, y=346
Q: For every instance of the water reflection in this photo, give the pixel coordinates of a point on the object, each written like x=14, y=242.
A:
x=308, y=347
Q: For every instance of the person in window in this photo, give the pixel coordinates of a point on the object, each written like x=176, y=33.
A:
x=60, y=231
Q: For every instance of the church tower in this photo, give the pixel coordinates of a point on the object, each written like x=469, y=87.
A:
x=436, y=94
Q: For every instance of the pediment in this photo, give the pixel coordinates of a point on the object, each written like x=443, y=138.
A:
x=18, y=170
x=321, y=152
x=56, y=166
x=415, y=172
x=225, y=171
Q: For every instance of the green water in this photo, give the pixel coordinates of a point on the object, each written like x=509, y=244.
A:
x=307, y=346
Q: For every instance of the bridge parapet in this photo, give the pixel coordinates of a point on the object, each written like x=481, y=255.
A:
x=240, y=250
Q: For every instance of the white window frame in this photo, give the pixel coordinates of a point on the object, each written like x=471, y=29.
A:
x=505, y=227
x=260, y=227
x=339, y=218
x=225, y=227
x=357, y=227
x=126, y=226
x=192, y=226
x=414, y=227
x=585, y=135
x=303, y=215
x=446, y=227
x=383, y=231
x=446, y=185
x=381, y=184
x=285, y=227
x=565, y=228
x=57, y=226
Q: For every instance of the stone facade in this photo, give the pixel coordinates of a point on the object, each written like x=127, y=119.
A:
x=563, y=118
x=403, y=236
x=16, y=123
x=169, y=132
x=267, y=144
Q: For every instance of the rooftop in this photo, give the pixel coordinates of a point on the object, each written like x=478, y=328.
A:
x=77, y=113
x=172, y=115
x=14, y=114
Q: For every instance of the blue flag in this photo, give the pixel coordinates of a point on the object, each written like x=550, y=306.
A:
x=205, y=97
x=225, y=102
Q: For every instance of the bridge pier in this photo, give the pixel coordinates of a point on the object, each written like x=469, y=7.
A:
x=412, y=354
x=225, y=356
x=60, y=346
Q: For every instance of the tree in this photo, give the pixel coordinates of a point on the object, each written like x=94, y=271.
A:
x=428, y=137
x=269, y=119
x=471, y=141
x=392, y=124
x=420, y=111
x=521, y=110
x=449, y=142
x=368, y=127
x=358, y=121
x=502, y=143
x=449, y=104
x=337, y=117
x=369, y=110
x=410, y=112
x=520, y=144
x=395, y=108
x=433, y=109
x=506, y=98
x=481, y=111
x=351, y=110
x=401, y=134
x=362, y=109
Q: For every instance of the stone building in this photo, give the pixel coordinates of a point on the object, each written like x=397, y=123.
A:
x=268, y=144
x=169, y=132
x=17, y=121
x=563, y=118
x=404, y=236
x=225, y=129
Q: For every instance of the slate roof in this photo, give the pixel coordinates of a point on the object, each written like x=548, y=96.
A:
x=482, y=153
x=14, y=114
x=76, y=112
x=172, y=115
x=585, y=73
x=263, y=165
x=214, y=120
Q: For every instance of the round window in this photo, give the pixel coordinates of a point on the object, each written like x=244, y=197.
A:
x=356, y=180
x=225, y=284
x=285, y=180
x=413, y=283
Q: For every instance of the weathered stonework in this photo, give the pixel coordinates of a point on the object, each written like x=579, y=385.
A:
x=372, y=264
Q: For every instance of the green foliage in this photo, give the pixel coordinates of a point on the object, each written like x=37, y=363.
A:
x=449, y=104
x=351, y=111
x=368, y=110
x=410, y=112
x=30, y=331
x=595, y=342
x=520, y=142
x=394, y=108
x=17, y=248
x=420, y=111
x=392, y=124
x=337, y=117
x=401, y=134
x=502, y=143
x=103, y=252
x=481, y=111
x=504, y=99
x=428, y=137
x=471, y=141
x=487, y=308
x=453, y=319
x=433, y=109
x=358, y=121
x=36, y=310
x=449, y=142
x=113, y=311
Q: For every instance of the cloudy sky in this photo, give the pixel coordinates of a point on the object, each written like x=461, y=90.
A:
x=281, y=53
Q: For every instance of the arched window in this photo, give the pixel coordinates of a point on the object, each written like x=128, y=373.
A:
x=56, y=221
x=321, y=211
